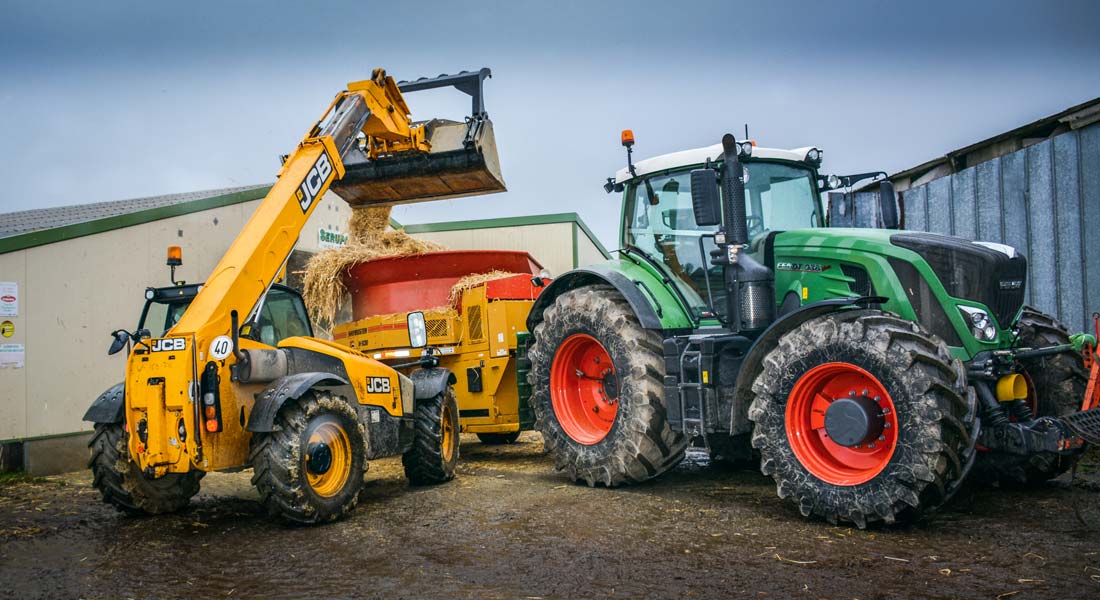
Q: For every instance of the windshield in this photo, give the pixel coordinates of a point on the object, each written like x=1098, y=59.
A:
x=159, y=317
x=661, y=223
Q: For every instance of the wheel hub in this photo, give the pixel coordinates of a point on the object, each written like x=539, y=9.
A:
x=319, y=460
x=854, y=421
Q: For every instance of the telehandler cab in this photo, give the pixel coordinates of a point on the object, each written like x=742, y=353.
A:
x=233, y=377
x=868, y=371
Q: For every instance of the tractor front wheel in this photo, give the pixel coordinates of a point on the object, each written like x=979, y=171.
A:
x=311, y=468
x=861, y=416
x=596, y=378
x=125, y=487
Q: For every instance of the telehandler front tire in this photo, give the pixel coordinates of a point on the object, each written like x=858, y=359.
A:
x=864, y=417
x=596, y=378
x=311, y=468
x=434, y=453
x=125, y=487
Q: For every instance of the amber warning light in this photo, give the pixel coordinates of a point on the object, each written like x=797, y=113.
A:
x=628, y=138
x=175, y=256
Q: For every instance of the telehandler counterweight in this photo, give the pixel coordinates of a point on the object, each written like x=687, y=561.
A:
x=235, y=380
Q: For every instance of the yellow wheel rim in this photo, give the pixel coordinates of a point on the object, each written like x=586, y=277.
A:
x=448, y=438
x=328, y=459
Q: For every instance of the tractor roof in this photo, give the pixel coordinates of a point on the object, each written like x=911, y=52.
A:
x=699, y=156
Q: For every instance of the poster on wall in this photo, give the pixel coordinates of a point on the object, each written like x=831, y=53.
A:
x=326, y=238
x=12, y=356
x=9, y=299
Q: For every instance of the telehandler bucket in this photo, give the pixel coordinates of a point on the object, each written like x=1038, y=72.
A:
x=462, y=160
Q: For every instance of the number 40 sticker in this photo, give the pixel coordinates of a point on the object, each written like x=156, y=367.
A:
x=221, y=347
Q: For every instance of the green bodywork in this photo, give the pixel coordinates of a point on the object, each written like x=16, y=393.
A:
x=812, y=260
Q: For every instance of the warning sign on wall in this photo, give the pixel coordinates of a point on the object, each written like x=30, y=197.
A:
x=9, y=299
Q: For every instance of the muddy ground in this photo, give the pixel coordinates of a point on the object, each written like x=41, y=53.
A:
x=509, y=527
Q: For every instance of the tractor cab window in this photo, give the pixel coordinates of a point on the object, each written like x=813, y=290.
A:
x=779, y=198
x=283, y=315
x=661, y=223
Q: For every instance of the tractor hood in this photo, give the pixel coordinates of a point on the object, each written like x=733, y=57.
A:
x=984, y=272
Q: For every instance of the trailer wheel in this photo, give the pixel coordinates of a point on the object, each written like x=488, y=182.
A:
x=596, y=378
x=434, y=453
x=861, y=416
x=311, y=468
x=496, y=439
x=1056, y=386
x=124, y=486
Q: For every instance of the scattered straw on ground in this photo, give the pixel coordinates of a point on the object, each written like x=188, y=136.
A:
x=474, y=280
x=368, y=239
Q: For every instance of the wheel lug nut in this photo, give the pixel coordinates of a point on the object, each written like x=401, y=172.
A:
x=871, y=445
x=852, y=393
x=882, y=438
x=864, y=392
x=878, y=398
x=886, y=425
x=595, y=409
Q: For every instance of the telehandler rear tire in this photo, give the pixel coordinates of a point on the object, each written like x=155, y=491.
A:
x=1057, y=383
x=864, y=417
x=311, y=468
x=497, y=439
x=596, y=378
x=124, y=486
x=434, y=453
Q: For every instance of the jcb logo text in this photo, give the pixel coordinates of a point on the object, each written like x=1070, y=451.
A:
x=378, y=385
x=169, y=345
x=311, y=186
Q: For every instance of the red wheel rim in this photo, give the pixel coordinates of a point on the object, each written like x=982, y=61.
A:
x=823, y=457
x=584, y=389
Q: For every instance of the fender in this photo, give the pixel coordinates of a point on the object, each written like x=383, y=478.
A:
x=291, y=387
x=594, y=275
x=107, y=408
x=754, y=358
x=429, y=383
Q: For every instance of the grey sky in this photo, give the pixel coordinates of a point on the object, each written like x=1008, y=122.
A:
x=110, y=100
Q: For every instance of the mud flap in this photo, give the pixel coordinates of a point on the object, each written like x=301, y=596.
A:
x=107, y=408
x=269, y=401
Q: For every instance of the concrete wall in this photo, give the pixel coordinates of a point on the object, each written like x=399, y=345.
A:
x=73, y=292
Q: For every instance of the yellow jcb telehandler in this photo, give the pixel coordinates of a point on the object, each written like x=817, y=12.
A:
x=233, y=378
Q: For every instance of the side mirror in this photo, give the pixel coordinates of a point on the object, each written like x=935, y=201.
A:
x=418, y=330
x=705, y=199
x=888, y=204
x=121, y=337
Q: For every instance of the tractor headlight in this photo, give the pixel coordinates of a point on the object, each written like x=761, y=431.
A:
x=833, y=182
x=814, y=156
x=744, y=149
x=980, y=324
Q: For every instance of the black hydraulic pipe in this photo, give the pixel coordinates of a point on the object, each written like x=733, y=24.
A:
x=992, y=412
x=1040, y=352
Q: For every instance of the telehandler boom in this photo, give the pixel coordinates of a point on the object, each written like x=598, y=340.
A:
x=237, y=380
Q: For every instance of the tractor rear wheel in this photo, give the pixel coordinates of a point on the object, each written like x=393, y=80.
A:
x=596, y=378
x=311, y=468
x=434, y=452
x=1056, y=387
x=496, y=439
x=861, y=416
x=125, y=487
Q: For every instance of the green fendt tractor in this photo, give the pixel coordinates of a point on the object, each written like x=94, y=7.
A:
x=869, y=371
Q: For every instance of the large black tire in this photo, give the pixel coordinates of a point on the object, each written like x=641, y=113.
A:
x=496, y=439
x=434, y=453
x=935, y=416
x=640, y=445
x=1059, y=382
x=311, y=488
x=123, y=485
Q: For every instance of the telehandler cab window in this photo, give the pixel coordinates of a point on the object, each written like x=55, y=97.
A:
x=159, y=317
x=283, y=315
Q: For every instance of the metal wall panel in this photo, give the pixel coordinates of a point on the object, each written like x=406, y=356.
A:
x=1044, y=200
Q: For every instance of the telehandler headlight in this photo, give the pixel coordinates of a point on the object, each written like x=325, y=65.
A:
x=980, y=324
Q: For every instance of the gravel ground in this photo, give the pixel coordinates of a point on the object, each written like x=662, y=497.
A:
x=509, y=527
